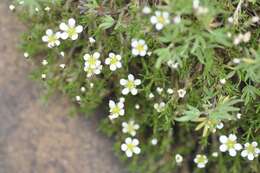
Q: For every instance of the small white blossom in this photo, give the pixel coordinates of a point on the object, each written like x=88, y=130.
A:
x=242, y=38
x=159, y=90
x=92, y=64
x=250, y=151
x=230, y=20
x=178, y=159
x=154, y=141
x=116, y=109
x=151, y=95
x=91, y=40
x=181, y=93
x=177, y=19
x=236, y=61
x=47, y=8
x=229, y=144
x=21, y=2
x=130, y=127
x=220, y=125
x=62, y=66
x=11, y=7
x=222, y=81
x=130, y=147
x=70, y=30
x=137, y=106
x=113, y=61
x=51, y=38
x=43, y=76
x=160, y=19
x=26, y=54
x=170, y=91
x=83, y=89
x=159, y=107
x=122, y=99
x=172, y=64
x=62, y=54
x=238, y=115
x=37, y=9
x=91, y=85
x=146, y=10
x=44, y=62
x=130, y=85
x=201, y=160
x=78, y=98
x=195, y=4
x=139, y=47
x=214, y=154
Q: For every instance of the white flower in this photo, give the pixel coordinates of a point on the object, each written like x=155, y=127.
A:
x=26, y=54
x=181, y=93
x=21, y=2
x=214, y=154
x=70, y=30
x=172, y=64
x=229, y=144
x=78, y=98
x=220, y=125
x=51, y=38
x=177, y=19
x=91, y=85
x=137, y=106
x=222, y=81
x=43, y=76
x=62, y=54
x=154, y=141
x=91, y=40
x=151, y=95
x=44, y=62
x=178, y=159
x=250, y=151
x=236, y=60
x=116, y=109
x=113, y=61
x=170, y=91
x=195, y=4
x=130, y=127
x=201, y=160
x=62, y=66
x=146, y=10
x=47, y=8
x=11, y=7
x=92, y=64
x=139, y=47
x=239, y=115
x=159, y=90
x=130, y=146
x=83, y=89
x=160, y=19
x=159, y=107
x=130, y=85
x=37, y=9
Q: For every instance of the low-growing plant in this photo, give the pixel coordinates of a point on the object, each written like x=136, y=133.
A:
x=179, y=79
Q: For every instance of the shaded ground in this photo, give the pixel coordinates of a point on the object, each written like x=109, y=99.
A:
x=38, y=138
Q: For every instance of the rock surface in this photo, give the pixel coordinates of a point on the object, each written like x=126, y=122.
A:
x=37, y=137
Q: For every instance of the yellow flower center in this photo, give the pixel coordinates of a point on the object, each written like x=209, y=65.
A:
x=201, y=159
x=92, y=61
x=140, y=47
x=130, y=147
x=113, y=60
x=161, y=19
x=71, y=32
x=115, y=110
x=52, y=38
x=130, y=84
x=250, y=148
x=230, y=144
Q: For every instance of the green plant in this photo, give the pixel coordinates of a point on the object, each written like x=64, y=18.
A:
x=198, y=63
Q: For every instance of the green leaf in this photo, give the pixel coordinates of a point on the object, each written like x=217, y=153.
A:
x=191, y=114
x=107, y=22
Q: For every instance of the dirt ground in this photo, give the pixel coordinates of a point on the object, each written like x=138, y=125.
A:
x=37, y=137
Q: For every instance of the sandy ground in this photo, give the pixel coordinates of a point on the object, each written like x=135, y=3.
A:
x=37, y=137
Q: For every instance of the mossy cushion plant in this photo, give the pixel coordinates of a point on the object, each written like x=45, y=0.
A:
x=179, y=78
